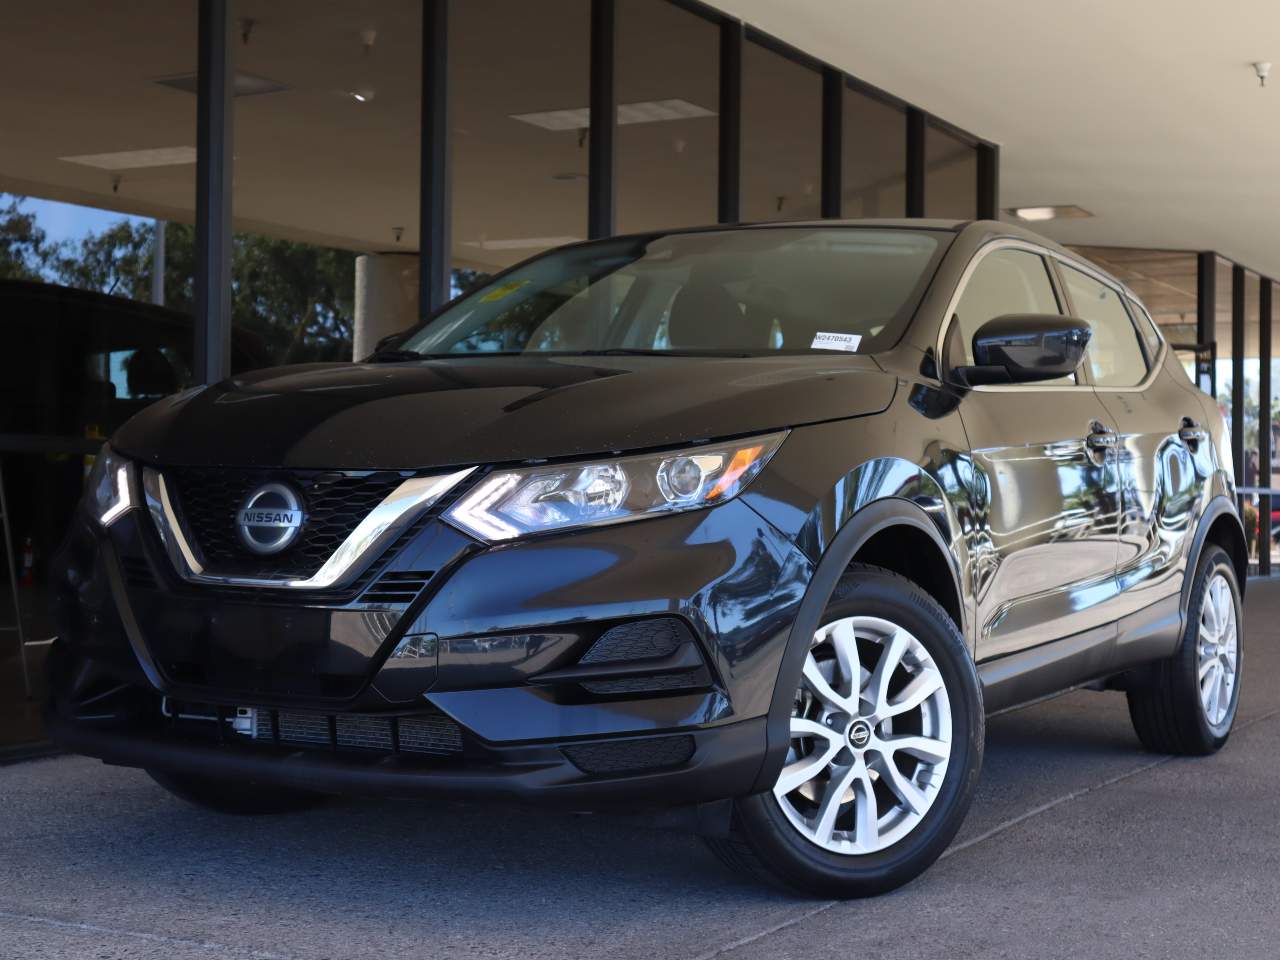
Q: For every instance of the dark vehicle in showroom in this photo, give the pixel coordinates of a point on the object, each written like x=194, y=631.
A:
x=758, y=521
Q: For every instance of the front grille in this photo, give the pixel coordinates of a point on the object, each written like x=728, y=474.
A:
x=334, y=503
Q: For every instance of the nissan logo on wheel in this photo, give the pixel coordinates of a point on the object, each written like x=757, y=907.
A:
x=270, y=519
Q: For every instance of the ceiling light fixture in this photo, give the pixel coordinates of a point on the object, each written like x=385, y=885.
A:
x=1065, y=211
x=244, y=84
x=136, y=159
x=644, y=111
x=1263, y=69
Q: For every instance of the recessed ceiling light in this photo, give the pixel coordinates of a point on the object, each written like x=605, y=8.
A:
x=136, y=159
x=1067, y=211
x=244, y=84
x=645, y=111
x=361, y=96
x=521, y=243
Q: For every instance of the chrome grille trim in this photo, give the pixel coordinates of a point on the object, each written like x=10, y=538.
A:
x=374, y=533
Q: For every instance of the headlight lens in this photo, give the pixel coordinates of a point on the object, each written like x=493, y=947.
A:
x=109, y=491
x=513, y=503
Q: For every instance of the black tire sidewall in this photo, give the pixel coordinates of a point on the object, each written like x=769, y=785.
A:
x=804, y=865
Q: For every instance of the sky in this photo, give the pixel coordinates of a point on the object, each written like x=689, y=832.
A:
x=69, y=221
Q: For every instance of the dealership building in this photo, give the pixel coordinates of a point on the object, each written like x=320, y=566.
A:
x=430, y=141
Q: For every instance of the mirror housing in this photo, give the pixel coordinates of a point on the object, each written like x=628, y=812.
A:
x=1025, y=348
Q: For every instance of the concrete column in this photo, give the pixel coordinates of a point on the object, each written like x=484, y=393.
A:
x=386, y=298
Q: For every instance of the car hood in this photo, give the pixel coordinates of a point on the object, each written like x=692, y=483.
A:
x=486, y=410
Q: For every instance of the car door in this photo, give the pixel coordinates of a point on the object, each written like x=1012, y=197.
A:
x=1045, y=494
x=1160, y=463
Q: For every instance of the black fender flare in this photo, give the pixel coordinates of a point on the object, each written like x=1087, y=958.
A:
x=860, y=527
x=1219, y=505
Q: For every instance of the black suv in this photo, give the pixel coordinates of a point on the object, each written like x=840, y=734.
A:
x=761, y=521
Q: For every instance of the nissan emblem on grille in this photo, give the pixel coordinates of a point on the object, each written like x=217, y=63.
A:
x=270, y=519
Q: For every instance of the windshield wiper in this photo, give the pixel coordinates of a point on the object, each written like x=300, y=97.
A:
x=395, y=356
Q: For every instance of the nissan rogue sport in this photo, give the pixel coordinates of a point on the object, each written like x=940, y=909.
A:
x=759, y=521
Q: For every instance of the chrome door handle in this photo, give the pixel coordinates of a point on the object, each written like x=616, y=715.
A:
x=1101, y=437
x=1191, y=432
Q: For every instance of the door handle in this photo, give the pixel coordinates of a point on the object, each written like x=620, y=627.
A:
x=1101, y=437
x=1191, y=433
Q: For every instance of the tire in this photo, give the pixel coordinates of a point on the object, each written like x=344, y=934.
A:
x=820, y=837
x=1170, y=712
x=236, y=798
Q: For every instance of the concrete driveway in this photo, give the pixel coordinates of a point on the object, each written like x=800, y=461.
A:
x=1079, y=845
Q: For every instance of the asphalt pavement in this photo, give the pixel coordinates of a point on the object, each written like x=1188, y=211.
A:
x=1079, y=845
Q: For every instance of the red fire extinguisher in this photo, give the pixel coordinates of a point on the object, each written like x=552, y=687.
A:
x=28, y=575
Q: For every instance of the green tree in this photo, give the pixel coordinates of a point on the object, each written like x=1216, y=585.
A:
x=296, y=297
x=24, y=247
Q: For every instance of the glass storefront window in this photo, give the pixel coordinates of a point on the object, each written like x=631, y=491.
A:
x=951, y=176
x=519, y=97
x=102, y=114
x=667, y=140
x=326, y=165
x=874, y=176
x=781, y=137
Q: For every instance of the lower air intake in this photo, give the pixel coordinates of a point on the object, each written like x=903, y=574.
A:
x=424, y=733
x=626, y=756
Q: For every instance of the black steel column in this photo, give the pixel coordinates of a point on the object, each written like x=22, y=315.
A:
x=1264, y=424
x=988, y=181
x=604, y=121
x=214, y=123
x=1237, y=371
x=730, y=171
x=917, y=123
x=1206, y=318
x=832, y=142
x=434, y=187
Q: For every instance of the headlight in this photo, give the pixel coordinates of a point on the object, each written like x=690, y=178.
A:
x=109, y=492
x=512, y=503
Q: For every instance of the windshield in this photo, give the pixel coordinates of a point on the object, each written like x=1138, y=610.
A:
x=750, y=291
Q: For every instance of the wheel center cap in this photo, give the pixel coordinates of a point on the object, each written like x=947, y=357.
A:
x=859, y=734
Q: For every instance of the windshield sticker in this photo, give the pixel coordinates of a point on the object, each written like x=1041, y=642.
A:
x=836, y=341
x=497, y=293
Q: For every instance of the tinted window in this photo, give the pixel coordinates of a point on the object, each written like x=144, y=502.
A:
x=796, y=289
x=1146, y=328
x=1115, y=353
x=1007, y=281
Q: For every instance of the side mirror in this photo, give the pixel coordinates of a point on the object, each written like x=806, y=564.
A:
x=1025, y=348
x=389, y=341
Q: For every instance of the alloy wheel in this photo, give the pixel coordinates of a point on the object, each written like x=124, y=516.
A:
x=1217, y=649
x=870, y=737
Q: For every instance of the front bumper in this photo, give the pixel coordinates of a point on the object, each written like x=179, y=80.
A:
x=503, y=638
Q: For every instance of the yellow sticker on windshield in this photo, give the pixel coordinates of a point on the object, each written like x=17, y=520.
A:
x=505, y=290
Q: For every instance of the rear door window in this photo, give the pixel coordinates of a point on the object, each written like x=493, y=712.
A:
x=1115, y=353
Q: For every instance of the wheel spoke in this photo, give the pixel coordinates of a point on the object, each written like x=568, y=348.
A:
x=823, y=690
x=844, y=640
x=1205, y=666
x=803, y=770
x=804, y=727
x=877, y=689
x=924, y=748
x=912, y=797
x=922, y=686
x=1209, y=615
x=837, y=787
x=867, y=810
